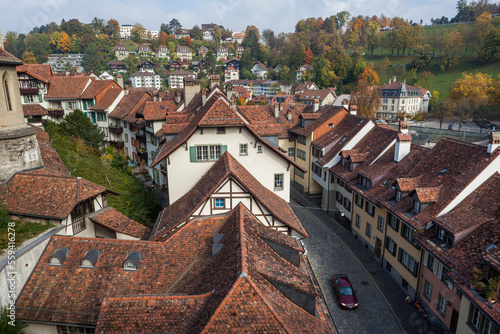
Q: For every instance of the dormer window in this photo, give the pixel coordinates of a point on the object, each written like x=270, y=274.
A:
x=365, y=182
x=416, y=206
x=398, y=195
x=90, y=259
x=59, y=257
x=132, y=262
x=351, y=166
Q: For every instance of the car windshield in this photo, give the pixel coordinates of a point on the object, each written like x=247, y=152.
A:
x=346, y=290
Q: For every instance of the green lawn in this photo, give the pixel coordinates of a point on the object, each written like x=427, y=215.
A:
x=131, y=45
x=442, y=80
x=19, y=231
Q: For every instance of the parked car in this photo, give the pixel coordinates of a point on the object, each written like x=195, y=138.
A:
x=346, y=296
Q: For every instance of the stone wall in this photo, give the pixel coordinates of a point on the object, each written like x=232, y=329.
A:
x=19, y=151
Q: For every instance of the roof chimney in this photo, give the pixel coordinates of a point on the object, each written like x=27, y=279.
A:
x=289, y=116
x=203, y=96
x=276, y=110
x=404, y=127
x=190, y=89
x=353, y=109
x=214, y=80
x=177, y=97
x=493, y=142
x=119, y=80
x=316, y=105
x=345, y=104
x=403, y=146
x=125, y=92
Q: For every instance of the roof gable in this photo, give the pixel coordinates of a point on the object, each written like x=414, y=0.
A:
x=226, y=167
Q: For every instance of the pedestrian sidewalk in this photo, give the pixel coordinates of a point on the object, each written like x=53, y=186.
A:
x=407, y=315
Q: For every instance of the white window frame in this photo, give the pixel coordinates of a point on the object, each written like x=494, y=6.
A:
x=380, y=223
x=368, y=229
x=291, y=152
x=427, y=289
x=217, y=203
x=278, y=181
x=358, y=221
x=243, y=149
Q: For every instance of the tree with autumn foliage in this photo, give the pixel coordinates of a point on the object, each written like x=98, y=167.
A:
x=370, y=76
x=186, y=41
x=469, y=93
x=366, y=97
x=309, y=56
x=29, y=58
x=64, y=44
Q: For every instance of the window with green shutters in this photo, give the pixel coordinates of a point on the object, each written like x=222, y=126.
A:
x=201, y=153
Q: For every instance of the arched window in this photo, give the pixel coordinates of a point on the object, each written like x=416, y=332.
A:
x=6, y=90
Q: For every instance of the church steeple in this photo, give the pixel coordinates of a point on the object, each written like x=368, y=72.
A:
x=19, y=148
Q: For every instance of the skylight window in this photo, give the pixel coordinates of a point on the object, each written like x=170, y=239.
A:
x=90, y=259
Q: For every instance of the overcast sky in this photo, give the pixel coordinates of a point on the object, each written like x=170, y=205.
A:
x=279, y=15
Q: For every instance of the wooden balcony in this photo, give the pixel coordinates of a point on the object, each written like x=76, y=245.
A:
x=117, y=144
x=56, y=112
x=116, y=130
x=140, y=137
x=28, y=91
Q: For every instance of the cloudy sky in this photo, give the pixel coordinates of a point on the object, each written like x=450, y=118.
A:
x=279, y=15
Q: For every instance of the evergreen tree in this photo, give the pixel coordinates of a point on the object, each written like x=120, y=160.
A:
x=77, y=124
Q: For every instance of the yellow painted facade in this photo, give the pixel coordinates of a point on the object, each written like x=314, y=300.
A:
x=361, y=218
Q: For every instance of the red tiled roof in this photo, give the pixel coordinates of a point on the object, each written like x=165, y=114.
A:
x=229, y=292
x=67, y=87
x=41, y=72
x=96, y=87
x=407, y=184
x=328, y=114
x=215, y=112
x=157, y=110
x=46, y=193
x=428, y=195
x=315, y=94
x=109, y=97
x=480, y=206
x=118, y=222
x=130, y=103
x=226, y=167
x=34, y=110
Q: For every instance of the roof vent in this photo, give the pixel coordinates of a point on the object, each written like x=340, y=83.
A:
x=90, y=259
x=132, y=262
x=59, y=257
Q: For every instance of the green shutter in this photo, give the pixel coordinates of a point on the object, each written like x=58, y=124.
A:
x=84, y=105
x=40, y=97
x=25, y=99
x=92, y=102
x=192, y=153
x=223, y=149
x=67, y=106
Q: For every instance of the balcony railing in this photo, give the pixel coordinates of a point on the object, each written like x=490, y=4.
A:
x=140, y=137
x=26, y=91
x=56, y=112
x=116, y=129
x=117, y=144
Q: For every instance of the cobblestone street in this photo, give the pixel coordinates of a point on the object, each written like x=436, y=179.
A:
x=332, y=250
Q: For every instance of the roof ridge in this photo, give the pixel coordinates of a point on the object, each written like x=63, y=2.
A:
x=157, y=296
x=223, y=302
x=109, y=241
x=269, y=306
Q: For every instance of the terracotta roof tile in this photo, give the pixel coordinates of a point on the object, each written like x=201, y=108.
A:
x=34, y=110
x=96, y=87
x=428, y=195
x=7, y=58
x=226, y=167
x=42, y=72
x=130, y=103
x=67, y=87
x=157, y=110
x=47, y=193
x=228, y=292
x=114, y=220
x=328, y=114
x=109, y=97
x=406, y=184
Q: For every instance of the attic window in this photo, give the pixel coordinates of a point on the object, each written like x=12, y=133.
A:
x=132, y=262
x=221, y=130
x=398, y=195
x=90, y=259
x=416, y=206
x=331, y=125
x=59, y=257
x=385, y=182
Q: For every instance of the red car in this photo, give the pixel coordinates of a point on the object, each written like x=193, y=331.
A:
x=345, y=293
